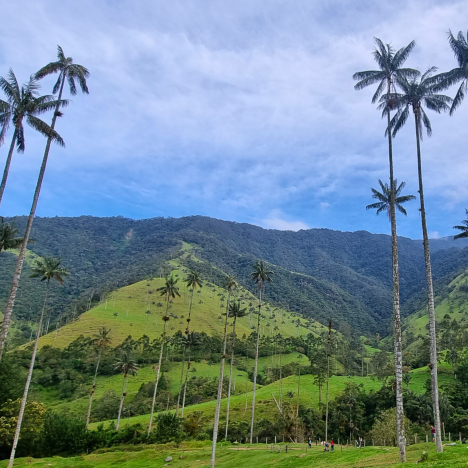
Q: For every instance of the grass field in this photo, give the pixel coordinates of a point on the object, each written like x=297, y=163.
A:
x=265, y=406
x=194, y=454
x=125, y=312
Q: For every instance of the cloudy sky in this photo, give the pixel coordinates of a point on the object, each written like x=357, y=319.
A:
x=237, y=109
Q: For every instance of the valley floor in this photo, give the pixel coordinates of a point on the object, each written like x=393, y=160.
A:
x=195, y=454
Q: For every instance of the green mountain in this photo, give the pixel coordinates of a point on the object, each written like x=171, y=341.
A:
x=319, y=273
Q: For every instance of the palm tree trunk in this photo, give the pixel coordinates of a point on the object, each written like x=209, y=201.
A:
x=230, y=375
x=281, y=376
x=328, y=388
x=181, y=381
x=93, y=390
x=28, y=382
x=220, y=386
x=430, y=298
x=396, y=303
x=256, y=364
x=122, y=396
x=185, y=388
x=159, y=371
x=7, y=165
x=22, y=253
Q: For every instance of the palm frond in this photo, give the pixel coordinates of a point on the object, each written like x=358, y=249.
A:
x=20, y=141
x=375, y=206
x=71, y=84
x=49, y=69
x=379, y=91
x=426, y=122
x=371, y=78
x=457, y=47
x=399, y=119
x=44, y=129
x=401, y=56
x=60, y=54
x=400, y=209
x=458, y=99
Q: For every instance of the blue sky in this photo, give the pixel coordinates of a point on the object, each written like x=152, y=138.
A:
x=241, y=110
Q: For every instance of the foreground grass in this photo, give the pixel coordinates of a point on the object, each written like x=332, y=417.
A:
x=192, y=454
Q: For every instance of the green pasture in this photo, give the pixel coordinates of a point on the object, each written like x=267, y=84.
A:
x=195, y=454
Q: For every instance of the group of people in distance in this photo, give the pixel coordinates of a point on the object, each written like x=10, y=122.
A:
x=327, y=445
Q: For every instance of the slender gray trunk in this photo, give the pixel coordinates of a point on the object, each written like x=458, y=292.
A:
x=396, y=303
x=28, y=382
x=430, y=299
x=220, y=386
x=180, y=383
x=256, y=364
x=122, y=397
x=93, y=390
x=7, y=166
x=159, y=371
x=328, y=388
x=230, y=375
x=22, y=253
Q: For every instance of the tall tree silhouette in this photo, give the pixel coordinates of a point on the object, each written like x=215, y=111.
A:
x=71, y=75
x=260, y=275
x=390, y=65
x=417, y=94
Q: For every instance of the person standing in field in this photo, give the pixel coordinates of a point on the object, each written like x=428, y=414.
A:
x=433, y=432
x=332, y=445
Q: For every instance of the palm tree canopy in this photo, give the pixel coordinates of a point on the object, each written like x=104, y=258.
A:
x=459, y=45
x=25, y=103
x=169, y=289
x=260, y=274
x=191, y=340
x=230, y=283
x=383, y=198
x=235, y=309
x=463, y=228
x=101, y=339
x=389, y=63
x=193, y=280
x=416, y=94
x=126, y=365
x=8, y=236
x=49, y=268
x=66, y=69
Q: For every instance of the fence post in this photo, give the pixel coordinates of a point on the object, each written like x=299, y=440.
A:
x=415, y=438
x=275, y=439
x=450, y=440
x=459, y=436
x=266, y=440
x=384, y=443
x=364, y=442
x=427, y=437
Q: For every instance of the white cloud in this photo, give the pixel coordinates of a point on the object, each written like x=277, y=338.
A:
x=275, y=220
x=433, y=235
x=324, y=205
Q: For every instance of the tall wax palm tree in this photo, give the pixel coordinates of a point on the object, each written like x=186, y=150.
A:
x=193, y=282
x=127, y=366
x=47, y=269
x=415, y=94
x=230, y=284
x=170, y=290
x=330, y=326
x=459, y=45
x=260, y=275
x=463, y=229
x=23, y=103
x=71, y=75
x=8, y=233
x=100, y=342
x=236, y=312
x=191, y=341
x=390, y=68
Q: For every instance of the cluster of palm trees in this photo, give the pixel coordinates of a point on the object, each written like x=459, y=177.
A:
x=23, y=104
x=400, y=89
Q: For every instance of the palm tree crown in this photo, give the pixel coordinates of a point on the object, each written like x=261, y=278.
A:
x=230, y=283
x=415, y=94
x=193, y=280
x=464, y=228
x=49, y=268
x=24, y=102
x=102, y=339
x=235, y=309
x=126, y=365
x=8, y=233
x=390, y=63
x=459, y=46
x=260, y=274
x=170, y=290
x=384, y=198
x=67, y=70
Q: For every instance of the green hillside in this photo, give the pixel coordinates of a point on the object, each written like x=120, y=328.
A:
x=137, y=310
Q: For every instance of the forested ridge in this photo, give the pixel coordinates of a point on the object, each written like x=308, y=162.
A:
x=319, y=272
